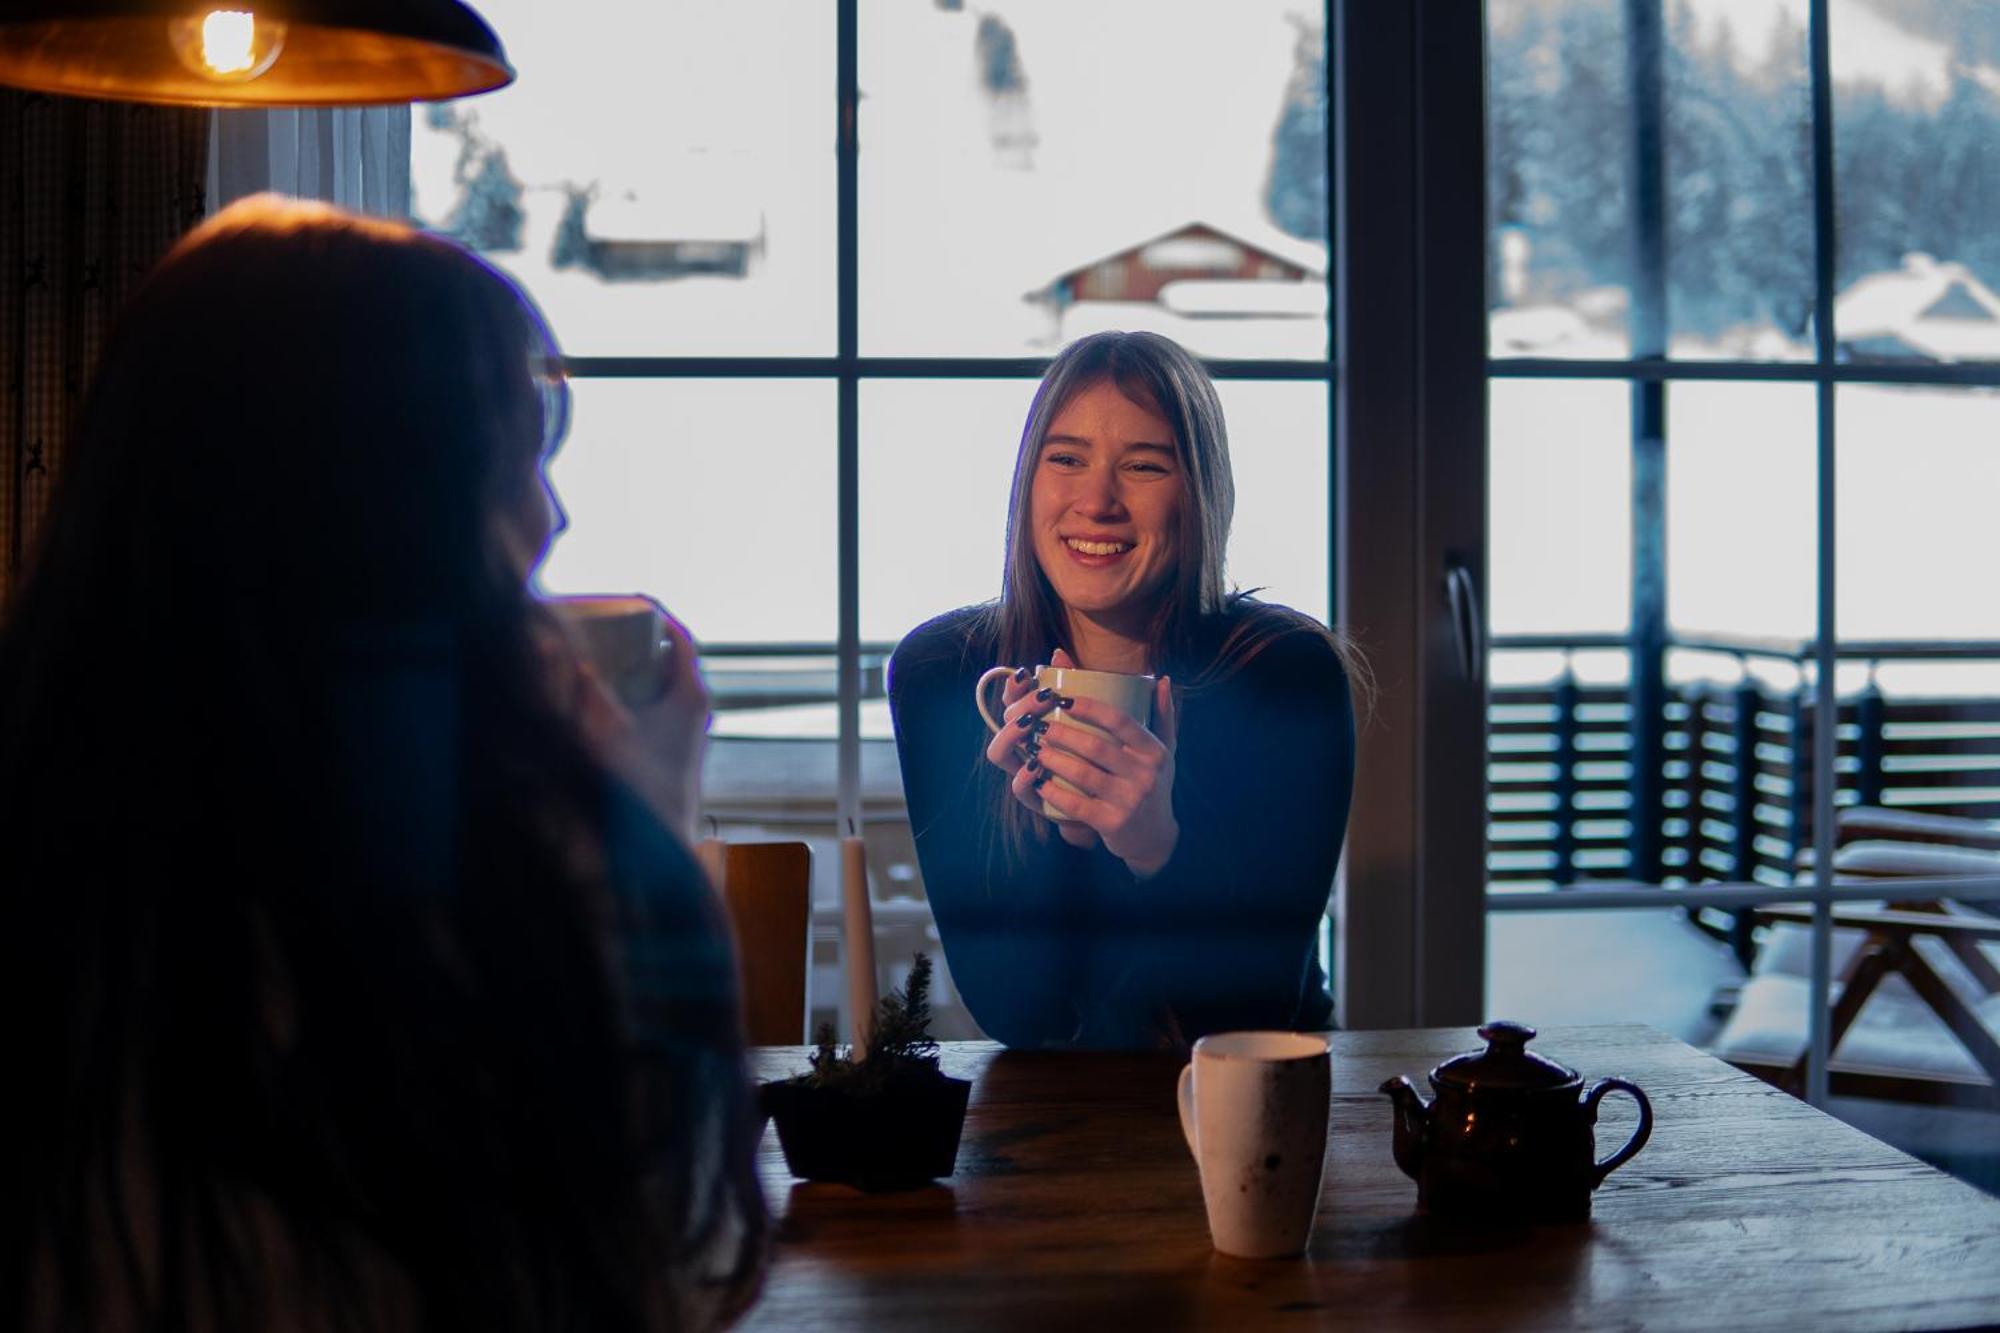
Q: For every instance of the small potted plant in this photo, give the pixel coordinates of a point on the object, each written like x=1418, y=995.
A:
x=887, y=1120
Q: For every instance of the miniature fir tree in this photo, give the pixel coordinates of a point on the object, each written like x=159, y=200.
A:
x=900, y=1045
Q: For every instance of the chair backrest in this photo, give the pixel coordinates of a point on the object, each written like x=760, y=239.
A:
x=768, y=889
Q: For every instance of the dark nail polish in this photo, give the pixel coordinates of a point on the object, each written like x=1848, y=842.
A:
x=1037, y=784
x=1065, y=702
x=1022, y=673
x=1034, y=764
x=1026, y=720
x=1044, y=695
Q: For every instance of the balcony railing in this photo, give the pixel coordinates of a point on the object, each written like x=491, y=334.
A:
x=750, y=676
x=1738, y=773
x=1738, y=776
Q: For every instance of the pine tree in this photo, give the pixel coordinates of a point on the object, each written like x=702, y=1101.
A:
x=999, y=57
x=1909, y=175
x=1010, y=120
x=489, y=215
x=571, y=248
x=1295, y=187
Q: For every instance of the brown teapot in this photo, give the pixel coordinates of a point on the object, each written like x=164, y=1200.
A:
x=1509, y=1136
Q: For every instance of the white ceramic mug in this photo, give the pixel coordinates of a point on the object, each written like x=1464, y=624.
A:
x=625, y=639
x=1254, y=1109
x=1131, y=695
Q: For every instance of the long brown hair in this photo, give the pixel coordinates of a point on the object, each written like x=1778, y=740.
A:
x=1028, y=622
x=314, y=907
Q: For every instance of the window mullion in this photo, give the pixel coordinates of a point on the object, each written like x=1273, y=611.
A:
x=847, y=355
x=1826, y=713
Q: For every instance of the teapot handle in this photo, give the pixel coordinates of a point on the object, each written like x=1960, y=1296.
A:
x=1600, y=1170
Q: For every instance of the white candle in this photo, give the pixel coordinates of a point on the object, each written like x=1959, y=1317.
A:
x=858, y=935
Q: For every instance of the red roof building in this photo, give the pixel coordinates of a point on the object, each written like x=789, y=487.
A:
x=1195, y=252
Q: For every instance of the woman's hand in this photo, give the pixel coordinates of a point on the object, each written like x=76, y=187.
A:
x=1024, y=710
x=656, y=746
x=1015, y=743
x=1126, y=779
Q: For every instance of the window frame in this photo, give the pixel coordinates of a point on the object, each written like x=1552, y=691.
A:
x=848, y=369
x=1407, y=429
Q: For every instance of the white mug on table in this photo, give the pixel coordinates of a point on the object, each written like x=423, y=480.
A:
x=1254, y=1110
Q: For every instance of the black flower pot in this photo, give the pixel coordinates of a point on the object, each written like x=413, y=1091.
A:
x=897, y=1136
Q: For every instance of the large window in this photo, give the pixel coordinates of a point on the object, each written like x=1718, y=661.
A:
x=1745, y=380
x=807, y=259
x=1744, y=365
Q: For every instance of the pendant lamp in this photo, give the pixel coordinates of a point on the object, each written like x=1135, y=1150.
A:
x=251, y=52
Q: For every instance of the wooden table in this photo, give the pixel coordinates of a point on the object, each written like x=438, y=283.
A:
x=1076, y=1204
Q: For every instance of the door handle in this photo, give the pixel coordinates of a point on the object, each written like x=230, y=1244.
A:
x=1466, y=624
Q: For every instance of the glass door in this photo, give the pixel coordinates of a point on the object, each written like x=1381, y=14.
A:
x=1741, y=341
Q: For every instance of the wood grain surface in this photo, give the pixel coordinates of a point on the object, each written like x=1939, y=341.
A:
x=1076, y=1205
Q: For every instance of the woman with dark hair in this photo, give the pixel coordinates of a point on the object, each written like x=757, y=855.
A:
x=1180, y=890
x=354, y=971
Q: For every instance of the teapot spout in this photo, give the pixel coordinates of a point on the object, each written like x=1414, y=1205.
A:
x=1412, y=1115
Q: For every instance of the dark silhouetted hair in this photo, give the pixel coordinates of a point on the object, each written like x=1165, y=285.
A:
x=341, y=985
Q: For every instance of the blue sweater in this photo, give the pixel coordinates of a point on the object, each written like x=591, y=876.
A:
x=1062, y=946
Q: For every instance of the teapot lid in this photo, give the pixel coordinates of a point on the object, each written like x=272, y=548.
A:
x=1506, y=1065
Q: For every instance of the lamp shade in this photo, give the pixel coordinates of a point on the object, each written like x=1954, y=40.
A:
x=251, y=52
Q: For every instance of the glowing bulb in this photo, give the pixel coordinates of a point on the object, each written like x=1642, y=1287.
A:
x=227, y=45
x=227, y=41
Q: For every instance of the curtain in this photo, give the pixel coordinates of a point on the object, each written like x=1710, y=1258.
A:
x=357, y=157
x=92, y=194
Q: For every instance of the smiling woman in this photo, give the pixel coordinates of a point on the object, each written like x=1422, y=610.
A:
x=1171, y=882
x=1104, y=500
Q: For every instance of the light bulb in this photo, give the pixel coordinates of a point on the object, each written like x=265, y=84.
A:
x=226, y=45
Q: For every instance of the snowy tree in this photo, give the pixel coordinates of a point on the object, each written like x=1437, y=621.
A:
x=999, y=56
x=1913, y=179
x=571, y=248
x=1010, y=120
x=1295, y=188
x=1739, y=172
x=1909, y=174
x=488, y=216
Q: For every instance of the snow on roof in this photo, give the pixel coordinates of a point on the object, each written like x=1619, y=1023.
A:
x=697, y=197
x=1225, y=338
x=1231, y=296
x=1514, y=330
x=1939, y=309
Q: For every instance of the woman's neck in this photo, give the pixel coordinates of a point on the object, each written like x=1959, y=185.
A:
x=1102, y=646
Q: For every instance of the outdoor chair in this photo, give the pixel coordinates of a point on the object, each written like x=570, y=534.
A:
x=1916, y=983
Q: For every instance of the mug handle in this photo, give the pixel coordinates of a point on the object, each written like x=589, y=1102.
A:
x=993, y=724
x=1600, y=1170
x=1185, y=1095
